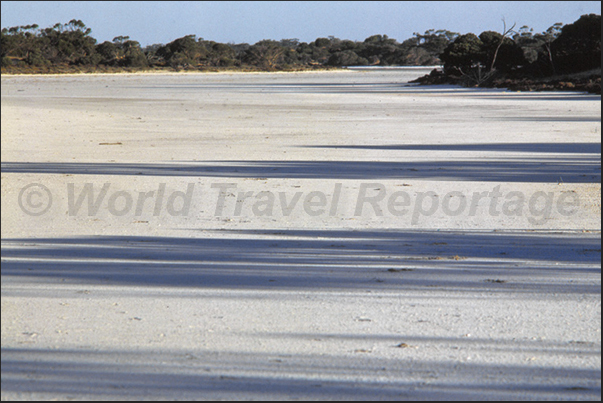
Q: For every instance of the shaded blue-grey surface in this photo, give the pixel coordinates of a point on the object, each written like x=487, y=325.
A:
x=313, y=259
x=573, y=169
x=241, y=376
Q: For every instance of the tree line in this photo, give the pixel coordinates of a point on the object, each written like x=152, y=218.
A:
x=72, y=44
x=559, y=49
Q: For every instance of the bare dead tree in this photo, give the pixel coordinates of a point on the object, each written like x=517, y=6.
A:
x=502, y=39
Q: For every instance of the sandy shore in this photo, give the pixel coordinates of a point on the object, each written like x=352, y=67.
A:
x=332, y=235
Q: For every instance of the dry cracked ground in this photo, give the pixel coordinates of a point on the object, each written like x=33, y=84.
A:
x=334, y=235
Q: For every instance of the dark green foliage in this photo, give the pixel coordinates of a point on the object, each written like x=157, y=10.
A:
x=133, y=55
x=463, y=54
x=492, y=56
x=68, y=43
x=182, y=52
x=509, y=53
x=570, y=48
x=121, y=52
x=63, y=43
x=266, y=54
x=434, y=41
x=35, y=58
x=72, y=44
x=378, y=49
x=18, y=42
x=322, y=43
x=423, y=49
x=346, y=58
x=578, y=47
x=528, y=43
x=108, y=51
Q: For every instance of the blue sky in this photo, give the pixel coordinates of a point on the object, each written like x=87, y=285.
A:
x=162, y=22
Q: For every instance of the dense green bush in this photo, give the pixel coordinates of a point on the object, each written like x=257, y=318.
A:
x=578, y=47
x=561, y=49
x=463, y=54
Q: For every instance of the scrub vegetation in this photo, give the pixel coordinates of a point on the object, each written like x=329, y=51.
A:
x=514, y=58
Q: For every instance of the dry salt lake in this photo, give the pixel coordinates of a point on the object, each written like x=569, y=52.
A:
x=319, y=235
